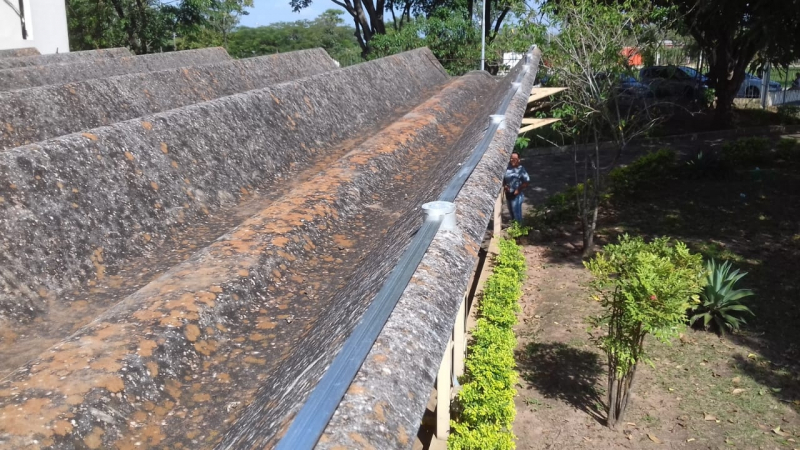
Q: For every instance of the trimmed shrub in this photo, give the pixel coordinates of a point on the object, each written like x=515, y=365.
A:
x=788, y=150
x=747, y=152
x=485, y=404
x=646, y=171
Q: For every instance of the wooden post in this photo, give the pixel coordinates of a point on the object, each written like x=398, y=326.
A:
x=460, y=339
x=443, y=394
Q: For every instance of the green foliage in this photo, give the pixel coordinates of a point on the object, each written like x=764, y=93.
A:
x=327, y=31
x=485, y=403
x=147, y=26
x=646, y=171
x=788, y=150
x=511, y=257
x=645, y=289
x=746, y=152
x=517, y=230
x=447, y=33
x=521, y=143
x=703, y=165
x=789, y=114
x=480, y=437
x=720, y=303
x=559, y=208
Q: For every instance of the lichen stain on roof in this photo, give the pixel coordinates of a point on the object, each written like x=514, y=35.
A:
x=179, y=280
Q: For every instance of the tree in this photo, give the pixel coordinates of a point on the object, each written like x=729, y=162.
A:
x=732, y=32
x=587, y=58
x=327, y=31
x=645, y=289
x=147, y=26
x=368, y=15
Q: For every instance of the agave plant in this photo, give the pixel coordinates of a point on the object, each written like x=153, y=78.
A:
x=719, y=301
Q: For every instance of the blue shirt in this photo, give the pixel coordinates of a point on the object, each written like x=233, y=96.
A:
x=514, y=178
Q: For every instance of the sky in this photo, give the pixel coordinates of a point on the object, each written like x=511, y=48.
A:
x=266, y=12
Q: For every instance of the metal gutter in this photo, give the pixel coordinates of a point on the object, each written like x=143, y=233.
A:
x=310, y=422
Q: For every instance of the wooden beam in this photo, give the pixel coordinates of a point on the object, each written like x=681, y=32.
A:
x=540, y=93
x=535, y=123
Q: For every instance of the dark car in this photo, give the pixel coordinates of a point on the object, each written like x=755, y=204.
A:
x=672, y=82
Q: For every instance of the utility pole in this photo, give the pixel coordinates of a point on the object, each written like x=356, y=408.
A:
x=483, y=33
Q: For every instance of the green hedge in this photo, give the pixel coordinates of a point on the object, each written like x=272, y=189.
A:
x=485, y=405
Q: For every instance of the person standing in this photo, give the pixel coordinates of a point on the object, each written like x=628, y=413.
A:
x=796, y=82
x=515, y=180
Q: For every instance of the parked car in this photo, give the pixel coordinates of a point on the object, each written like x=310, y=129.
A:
x=751, y=86
x=672, y=81
x=692, y=72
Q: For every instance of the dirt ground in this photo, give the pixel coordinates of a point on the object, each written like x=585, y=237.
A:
x=737, y=391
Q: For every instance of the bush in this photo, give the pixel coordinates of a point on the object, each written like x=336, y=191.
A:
x=720, y=304
x=704, y=165
x=485, y=403
x=789, y=114
x=645, y=288
x=747, y=152
x=559, y=208
x=517, y=230
x=787, y=150
x=646, y=171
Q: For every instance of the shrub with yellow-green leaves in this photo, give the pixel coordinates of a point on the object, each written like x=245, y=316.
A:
x=485, y=404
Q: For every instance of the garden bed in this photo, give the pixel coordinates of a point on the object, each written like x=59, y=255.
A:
x=704, y=391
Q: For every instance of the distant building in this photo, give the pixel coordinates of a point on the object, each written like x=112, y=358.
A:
x=34, y=23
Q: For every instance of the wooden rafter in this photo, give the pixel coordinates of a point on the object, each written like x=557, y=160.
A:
x=535, y=123
x=540, y=93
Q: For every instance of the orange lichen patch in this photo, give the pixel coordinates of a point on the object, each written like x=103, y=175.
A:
x=257, y=337
x=206, y=347
x=129, y=156
x=215, y=289
x=378, y=411
x=146, y=348
x=275, y=99
x=33, y=416
x=146, y=237
x=276, y=274
x=74, y=400
x=95, y=439
x=146, y=315
x=243, y=191
x=9, y=128
x=254, y=360
x=140, y=416
x=173, y=388
x=97, y=260
x=62, y=427
x=201, y=397
x=174, y=164
x=164, y=148
x=192, y=332
x=154, y=185
x=106, y=364
x=152, y=367
x=356, y=389
x=90, y=136
x=147, y=125
x=402, y=436
x=380, y=359
x=342, y=241
x=224, y=378
x=361, y=441
x=243, y=273
x=111, y=383
x=280, y=241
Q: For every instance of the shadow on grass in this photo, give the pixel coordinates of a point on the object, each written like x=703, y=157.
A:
x=565, y=373
x=778, y=380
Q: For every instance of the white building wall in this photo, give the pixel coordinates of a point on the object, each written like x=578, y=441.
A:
x=46, y=23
